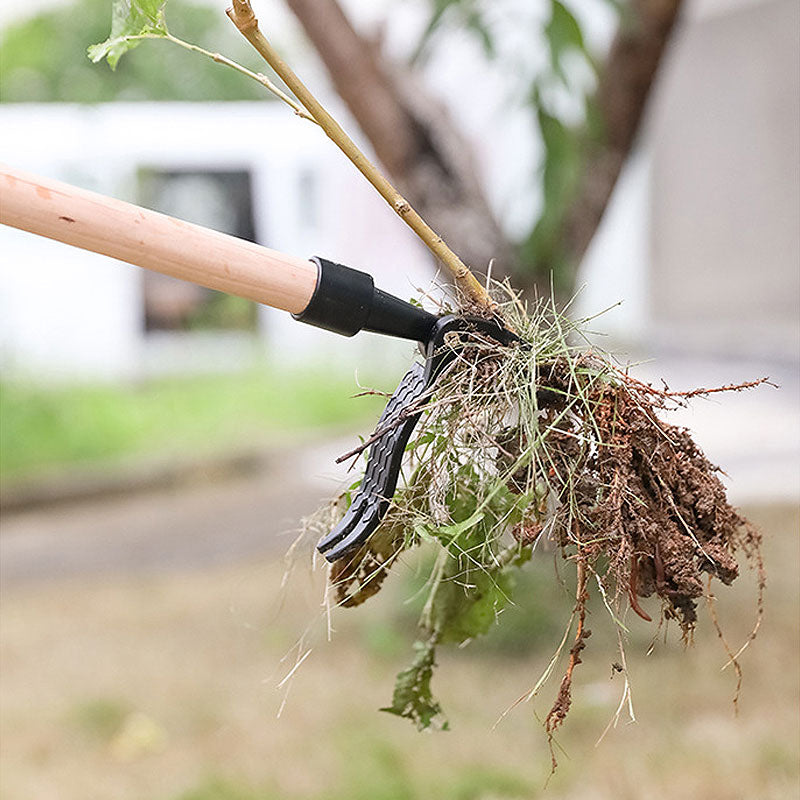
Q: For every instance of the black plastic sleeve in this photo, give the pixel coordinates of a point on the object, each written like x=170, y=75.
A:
x=346, y=301
x=342, y=299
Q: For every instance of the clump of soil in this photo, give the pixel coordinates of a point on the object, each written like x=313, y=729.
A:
x=648, y=512
x=644, y=497
x=550, y=440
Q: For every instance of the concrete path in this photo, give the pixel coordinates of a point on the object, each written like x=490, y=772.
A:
x=180, y=527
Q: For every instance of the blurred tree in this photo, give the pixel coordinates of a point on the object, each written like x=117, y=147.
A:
x=43, y=59
x=424, y=152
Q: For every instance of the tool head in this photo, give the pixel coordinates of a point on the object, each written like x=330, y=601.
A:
x=446, y=337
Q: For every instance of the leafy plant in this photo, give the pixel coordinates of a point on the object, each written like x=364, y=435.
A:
x=42, y=59
x=413, y=698
x=134, y=21
x=560, y=97
x=131, y=21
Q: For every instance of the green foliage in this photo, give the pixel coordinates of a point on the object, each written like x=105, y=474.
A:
x=129, y=18
x=43, y=59
x=528, y=622
x=469, y=586
x=561, y=170
x=413, y=698
x=535, y=618
x=468, y=595
x=464, y=613
x=566, y=140
x=470, y=583
x=50, y=427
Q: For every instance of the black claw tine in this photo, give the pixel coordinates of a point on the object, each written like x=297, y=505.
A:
x=358, y=535
x=346, y=524
x=383, y=469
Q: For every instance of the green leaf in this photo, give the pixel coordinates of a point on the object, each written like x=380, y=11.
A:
x=474, y=22
x=129, y=18
x=561, y=153
x=412, y=698
x=561, y=169
x=448, y=533
x=563, y=35
x=423, y=439
x=468, y=600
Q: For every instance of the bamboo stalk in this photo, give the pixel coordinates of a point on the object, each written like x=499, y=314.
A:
x=245, y=20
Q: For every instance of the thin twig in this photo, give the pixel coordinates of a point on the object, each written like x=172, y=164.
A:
x=242, y=16
x=394, y=422
x=689, y=394
x=370, y=393
x=220, y=59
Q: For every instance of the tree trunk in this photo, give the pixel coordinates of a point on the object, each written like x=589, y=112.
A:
x=623, y=88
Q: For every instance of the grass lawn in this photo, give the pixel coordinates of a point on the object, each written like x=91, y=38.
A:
x=45, y=428
x=165, y=687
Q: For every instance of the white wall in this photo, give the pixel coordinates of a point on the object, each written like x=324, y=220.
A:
x=66, y=312
x=725, y=273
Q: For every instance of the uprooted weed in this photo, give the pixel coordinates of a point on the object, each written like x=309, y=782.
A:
x=548, y=441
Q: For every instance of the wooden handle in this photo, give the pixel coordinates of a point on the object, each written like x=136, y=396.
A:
x=154, y=241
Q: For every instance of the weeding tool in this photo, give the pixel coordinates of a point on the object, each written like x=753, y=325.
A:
x=316, y=291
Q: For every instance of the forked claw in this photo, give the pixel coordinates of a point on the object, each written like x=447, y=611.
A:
x=397, y=422
x=383, y=469
x=345, y=539
x=345, y=526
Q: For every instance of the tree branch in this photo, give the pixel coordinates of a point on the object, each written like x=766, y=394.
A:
x=622, y=92
x=432, y=162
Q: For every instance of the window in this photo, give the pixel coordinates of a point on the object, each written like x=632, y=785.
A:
x=221, y=200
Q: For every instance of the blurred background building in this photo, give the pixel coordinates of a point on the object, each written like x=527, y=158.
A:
x=248, y=169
